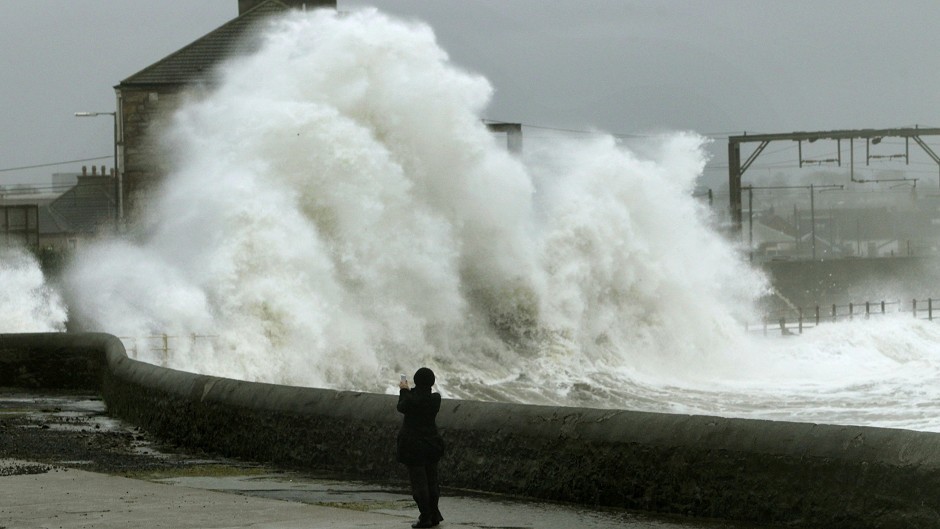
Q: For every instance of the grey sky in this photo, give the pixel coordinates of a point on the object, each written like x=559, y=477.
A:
x=621, y=66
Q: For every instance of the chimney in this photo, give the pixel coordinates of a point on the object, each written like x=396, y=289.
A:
x=84, y=170
x=247, y=5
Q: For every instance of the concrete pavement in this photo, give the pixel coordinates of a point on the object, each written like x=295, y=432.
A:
x=77, y=499
x=72, y=499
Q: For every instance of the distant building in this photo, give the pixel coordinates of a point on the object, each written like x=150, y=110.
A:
x=864, y=230
x=61, y=218
x=147, y=98
x=63, y=181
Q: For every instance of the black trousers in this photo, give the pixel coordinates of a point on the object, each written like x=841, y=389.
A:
x=426, y=490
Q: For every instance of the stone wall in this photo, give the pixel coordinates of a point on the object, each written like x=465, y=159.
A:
x=46, y=360
x=144, y=111
x=795, y=474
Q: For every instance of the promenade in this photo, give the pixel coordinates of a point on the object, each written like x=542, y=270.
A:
x=65, y=464
x=72, y=499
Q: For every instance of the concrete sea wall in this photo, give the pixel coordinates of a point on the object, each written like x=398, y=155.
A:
x=794, y=474
x=842, y=281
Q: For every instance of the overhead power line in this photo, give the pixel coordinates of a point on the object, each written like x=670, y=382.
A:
x=37, y=166
x=633, y=135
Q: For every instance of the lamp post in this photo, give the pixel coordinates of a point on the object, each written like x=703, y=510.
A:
x=119, y=210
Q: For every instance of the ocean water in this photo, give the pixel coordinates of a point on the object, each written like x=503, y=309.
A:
x=337, y=213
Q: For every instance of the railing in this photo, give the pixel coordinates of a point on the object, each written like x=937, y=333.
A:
x=159, y=343
x=784, y=322
x=795, y=320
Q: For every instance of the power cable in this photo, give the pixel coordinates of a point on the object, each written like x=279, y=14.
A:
x=712, y=135
x=8, y=169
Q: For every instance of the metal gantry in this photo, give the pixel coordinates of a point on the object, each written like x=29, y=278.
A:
x=871, y=136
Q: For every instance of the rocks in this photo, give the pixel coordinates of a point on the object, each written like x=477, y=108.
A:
x=13, y=467
x=52, y=431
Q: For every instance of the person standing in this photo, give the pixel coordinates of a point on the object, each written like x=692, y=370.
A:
x=420, y=446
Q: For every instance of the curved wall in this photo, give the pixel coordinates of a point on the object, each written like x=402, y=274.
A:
x=798, y=474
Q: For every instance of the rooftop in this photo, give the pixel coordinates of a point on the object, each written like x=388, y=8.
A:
x=192, y=63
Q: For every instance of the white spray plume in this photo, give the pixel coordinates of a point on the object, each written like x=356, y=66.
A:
x=27, y=303
x=337, y=213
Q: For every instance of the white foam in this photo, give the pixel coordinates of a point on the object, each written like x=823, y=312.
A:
x=27, y=303
x=337, y=213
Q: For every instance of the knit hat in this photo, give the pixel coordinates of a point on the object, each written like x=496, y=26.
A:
x=424, y=377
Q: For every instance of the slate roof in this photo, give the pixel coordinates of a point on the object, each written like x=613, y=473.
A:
x=50, y=223
x=193, y=62
x=81, y=209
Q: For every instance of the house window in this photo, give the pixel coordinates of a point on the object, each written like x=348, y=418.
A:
x=20, y=224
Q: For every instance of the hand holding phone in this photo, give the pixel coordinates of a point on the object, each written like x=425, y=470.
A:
x=403, y=384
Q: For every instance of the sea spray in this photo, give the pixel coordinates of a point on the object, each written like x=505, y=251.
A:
x=633, y=266
x=337, y=213
x=27, y=302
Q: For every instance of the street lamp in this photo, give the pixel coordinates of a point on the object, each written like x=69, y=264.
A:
x=119, y=212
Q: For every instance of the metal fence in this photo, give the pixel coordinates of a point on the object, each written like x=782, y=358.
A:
x=795, y=320
x=784, y=322
x=162, y=344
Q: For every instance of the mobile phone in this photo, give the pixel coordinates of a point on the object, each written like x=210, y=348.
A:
x=404, y=378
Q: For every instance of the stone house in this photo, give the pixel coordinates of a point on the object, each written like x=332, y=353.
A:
x=146, y=99
x=60, y=220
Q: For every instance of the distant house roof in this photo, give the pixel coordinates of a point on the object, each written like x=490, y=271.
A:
x=778, y=224
x=764, y=234
x=51, y=223
x=81, y=209
x=193, y=62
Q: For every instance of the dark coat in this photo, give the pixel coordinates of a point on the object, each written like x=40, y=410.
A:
x=419, y=443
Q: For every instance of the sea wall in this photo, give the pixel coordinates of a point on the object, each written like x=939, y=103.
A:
x=51, y=360
x=842, y=281
x=795, y=474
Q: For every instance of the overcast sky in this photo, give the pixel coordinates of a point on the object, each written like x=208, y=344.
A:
x=627, y=67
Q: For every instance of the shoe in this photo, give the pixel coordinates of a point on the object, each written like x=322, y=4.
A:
x=422, y=523
x=436, y=519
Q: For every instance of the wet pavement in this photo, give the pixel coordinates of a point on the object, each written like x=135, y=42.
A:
x=65, y=463
x=460, y=508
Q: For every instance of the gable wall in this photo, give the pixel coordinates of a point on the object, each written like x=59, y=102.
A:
x=144, y=112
